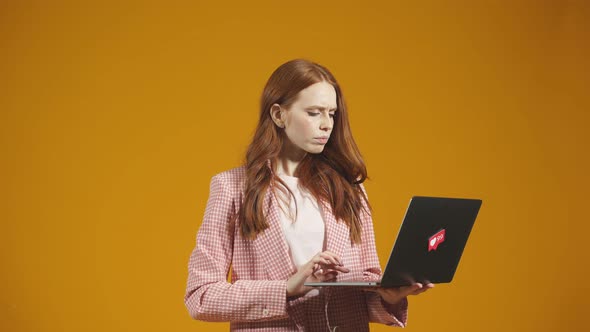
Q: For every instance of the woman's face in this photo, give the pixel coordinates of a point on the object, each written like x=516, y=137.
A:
x=308, y=122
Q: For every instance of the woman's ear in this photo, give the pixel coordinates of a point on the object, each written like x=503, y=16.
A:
x=276, y=113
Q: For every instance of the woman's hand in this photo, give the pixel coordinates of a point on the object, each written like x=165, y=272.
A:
x=396, y=294
x=322, y=267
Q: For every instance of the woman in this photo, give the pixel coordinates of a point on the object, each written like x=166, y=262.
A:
x=295, y=212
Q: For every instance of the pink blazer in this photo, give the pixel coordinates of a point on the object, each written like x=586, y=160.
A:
x=255, y=300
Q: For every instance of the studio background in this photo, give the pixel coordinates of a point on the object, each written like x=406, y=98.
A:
x=114, y=117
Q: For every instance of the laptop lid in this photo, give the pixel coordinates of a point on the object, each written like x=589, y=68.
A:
x=430, y=241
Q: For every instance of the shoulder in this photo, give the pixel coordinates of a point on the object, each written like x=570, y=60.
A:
x=231, y=180
x=237, y=174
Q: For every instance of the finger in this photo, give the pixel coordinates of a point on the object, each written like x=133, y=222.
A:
x=316, y=263
x=424, y=289
x=312, y=264
x=409, y=290
x=328, y=252
x=325, y=275
x=318, y=259
x=341, y=269
x=331, y=258
x=419, y=291
x=336, y=268
x=328, y=276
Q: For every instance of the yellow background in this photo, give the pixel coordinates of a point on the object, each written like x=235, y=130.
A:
x=114, y=117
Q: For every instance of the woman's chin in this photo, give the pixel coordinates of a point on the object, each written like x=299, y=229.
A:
x=316, y=149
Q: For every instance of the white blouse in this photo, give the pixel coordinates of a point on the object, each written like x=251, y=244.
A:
x=305, y=234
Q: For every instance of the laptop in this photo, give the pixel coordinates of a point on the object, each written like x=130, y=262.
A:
x=429, y=243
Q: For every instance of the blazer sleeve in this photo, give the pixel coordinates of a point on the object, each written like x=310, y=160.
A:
x=209, y=296
x=379, y=310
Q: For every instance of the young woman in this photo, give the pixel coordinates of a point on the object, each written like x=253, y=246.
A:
x=295, y=212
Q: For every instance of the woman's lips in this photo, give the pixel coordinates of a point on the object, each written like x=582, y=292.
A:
x=321, y=140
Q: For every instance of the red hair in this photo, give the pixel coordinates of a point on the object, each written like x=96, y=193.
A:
x=335, y=175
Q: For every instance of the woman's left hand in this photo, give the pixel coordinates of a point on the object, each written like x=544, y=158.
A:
x=396, y=294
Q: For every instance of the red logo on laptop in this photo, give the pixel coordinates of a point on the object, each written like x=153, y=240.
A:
x=436, y=239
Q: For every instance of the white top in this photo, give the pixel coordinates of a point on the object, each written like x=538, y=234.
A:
x=305, y=235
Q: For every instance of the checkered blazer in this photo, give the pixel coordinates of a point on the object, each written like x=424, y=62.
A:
x=256, y=300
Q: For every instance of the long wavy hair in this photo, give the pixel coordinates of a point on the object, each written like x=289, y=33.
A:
x=334, y=175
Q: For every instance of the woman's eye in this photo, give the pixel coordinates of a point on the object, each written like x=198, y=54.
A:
x=313, y=113
x=332, y=115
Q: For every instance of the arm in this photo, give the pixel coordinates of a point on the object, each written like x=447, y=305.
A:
x=208, y=295
x=379, y=310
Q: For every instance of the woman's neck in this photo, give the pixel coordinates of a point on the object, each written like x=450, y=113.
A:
x=289, y=159
x=287, y=166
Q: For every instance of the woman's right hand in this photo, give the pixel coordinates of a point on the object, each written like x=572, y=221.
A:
x=324, y=266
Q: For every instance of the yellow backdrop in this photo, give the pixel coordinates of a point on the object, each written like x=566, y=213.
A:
x=114, y=117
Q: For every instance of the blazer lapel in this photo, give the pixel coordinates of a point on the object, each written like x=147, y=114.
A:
x=337, y=233
x=271, y=244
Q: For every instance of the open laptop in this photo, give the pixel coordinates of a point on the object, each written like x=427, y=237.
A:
x=429, y=244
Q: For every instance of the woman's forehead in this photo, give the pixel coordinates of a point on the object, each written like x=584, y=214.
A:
x=321, y=95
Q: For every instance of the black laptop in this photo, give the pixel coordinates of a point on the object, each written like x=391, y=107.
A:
x=429, y=243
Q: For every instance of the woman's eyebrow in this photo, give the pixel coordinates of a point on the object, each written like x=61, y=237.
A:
x=321, y=108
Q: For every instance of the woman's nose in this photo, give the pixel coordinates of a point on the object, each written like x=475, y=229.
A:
x=327, y=122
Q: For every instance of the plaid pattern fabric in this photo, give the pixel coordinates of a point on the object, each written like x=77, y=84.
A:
x=255, y=300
